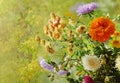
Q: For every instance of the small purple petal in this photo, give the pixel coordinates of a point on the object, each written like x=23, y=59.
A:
x=86, y=8
x=88, y=79
x=45, y=65
x=62, y=72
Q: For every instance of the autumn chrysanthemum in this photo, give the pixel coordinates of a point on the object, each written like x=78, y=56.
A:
x=101, y=29
x=91, y=62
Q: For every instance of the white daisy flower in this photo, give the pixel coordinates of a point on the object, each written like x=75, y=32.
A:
x=91, y=62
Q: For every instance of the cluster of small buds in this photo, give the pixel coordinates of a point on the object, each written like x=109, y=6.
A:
x=39, y=40
x=55, y=27
x=47, y=45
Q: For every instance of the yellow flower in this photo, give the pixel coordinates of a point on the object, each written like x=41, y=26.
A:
x=70, y=50
x=116, y=34
x=116, y=43
x=80, y=29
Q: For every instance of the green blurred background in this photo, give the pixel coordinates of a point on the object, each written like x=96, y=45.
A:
x=20, y=21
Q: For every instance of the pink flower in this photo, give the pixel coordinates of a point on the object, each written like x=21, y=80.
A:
x=88, y=79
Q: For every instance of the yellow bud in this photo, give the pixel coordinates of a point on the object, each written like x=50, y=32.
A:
x=52, y=28
x=37, y=38
x=52, y=15
x=50, y=49
x=46, y=29
x=50, y=34
x=43, y=42
x=116, y=34
x=62, y=25
x=103, y=61
x=70, y=50
x=106, y=80
x=80, y=29
x=56, y=35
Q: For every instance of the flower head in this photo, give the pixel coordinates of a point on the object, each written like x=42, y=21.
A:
x=116, y=43
x=45, y=65
x=91, y=62
x=101, y=29
x=62, y=72
x=88, y=79
x=80, y=29
x=86, y=8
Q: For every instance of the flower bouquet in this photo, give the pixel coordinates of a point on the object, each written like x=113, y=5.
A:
x=90, y=52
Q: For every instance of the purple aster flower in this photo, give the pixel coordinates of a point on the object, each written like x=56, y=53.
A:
x=45, y=65
x=62, y=72
x=86, y=8
x=88, y=79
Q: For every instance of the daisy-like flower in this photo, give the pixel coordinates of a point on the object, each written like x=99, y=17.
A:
x=101, y=29
x=116, y=34
x=45, y=65
x=116, y=43
x=86, y=8
x=118, y=62
x=88, y=79
x=91, y=62
x=62, y=72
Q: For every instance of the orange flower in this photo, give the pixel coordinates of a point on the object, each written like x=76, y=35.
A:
x=116, y=43
x=101, y=29
x=116, y=34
